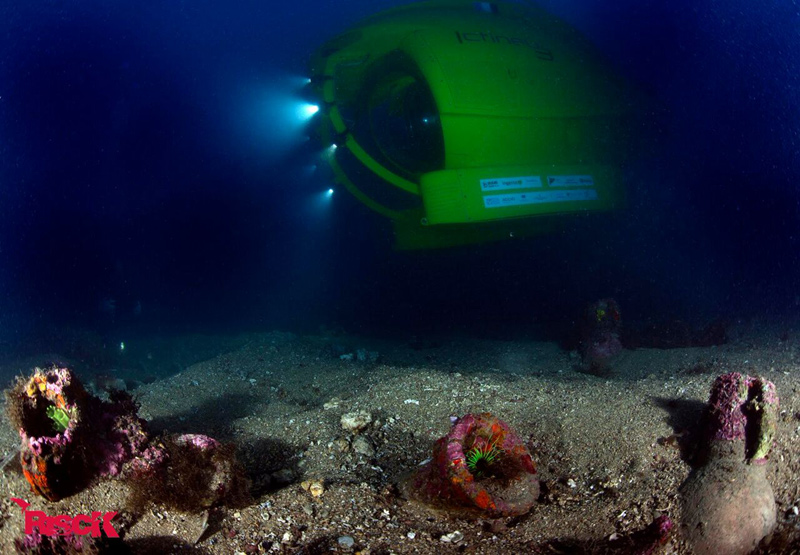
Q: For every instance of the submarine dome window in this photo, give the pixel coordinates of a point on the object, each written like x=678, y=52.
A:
x=405, y=125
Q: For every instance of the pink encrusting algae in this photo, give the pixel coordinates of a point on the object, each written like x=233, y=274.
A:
x=507, y=484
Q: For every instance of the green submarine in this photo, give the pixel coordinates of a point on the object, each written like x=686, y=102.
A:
x=470, y=122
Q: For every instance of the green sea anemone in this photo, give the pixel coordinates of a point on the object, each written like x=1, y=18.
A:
x=59, y=416
x=480, y=458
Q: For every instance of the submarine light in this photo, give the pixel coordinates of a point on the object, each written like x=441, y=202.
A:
x=306, y=111
x=319, y=204
x=330, y=150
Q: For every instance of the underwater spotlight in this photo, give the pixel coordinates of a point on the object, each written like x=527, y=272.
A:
x=459, y=120
x=330, y=192
x=329, y=152
x=295, y=82
x=306, y=111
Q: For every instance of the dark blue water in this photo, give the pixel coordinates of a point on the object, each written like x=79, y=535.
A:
x=147, y=185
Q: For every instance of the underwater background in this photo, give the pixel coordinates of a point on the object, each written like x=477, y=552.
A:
x=152, y=181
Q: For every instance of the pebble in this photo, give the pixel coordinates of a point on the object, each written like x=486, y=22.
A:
x=339, y=444
x=362, y=446
x=411, y=535
x=346, y=541
x=355, y=422
x=314, y=487
x=452, y=537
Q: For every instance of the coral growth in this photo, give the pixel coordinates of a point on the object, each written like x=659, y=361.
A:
x=118, y=434
x=743, y=409
x=189, y=472
x=36, y=544
x=49, y=411
x=68, y=544
x=68, y=437
x=481, y=468
x=728, y=503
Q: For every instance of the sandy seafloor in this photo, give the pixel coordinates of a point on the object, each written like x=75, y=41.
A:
x=611, y=451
